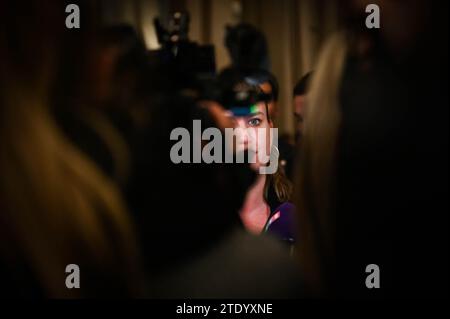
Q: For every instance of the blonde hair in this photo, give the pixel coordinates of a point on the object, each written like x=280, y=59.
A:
x=281, y=185
x=315, y=178
x=59, y=208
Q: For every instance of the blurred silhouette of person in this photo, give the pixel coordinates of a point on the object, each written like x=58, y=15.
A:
x=58, y=208
x=104, y=120
x=299, y=94
x=374, y=155
x=247, y=47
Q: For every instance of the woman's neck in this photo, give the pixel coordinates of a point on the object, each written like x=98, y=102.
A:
x=257, y=189
x=255, y=211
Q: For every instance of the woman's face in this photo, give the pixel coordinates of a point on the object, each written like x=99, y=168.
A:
x=253, y=134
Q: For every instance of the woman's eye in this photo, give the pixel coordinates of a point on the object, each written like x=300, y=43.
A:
x=254, y=122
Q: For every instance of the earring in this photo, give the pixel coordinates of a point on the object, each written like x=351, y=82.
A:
x=274, y=153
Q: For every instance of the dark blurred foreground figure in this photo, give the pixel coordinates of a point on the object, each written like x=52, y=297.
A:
x=103, y=108
x=374, y=175
x=57, y=206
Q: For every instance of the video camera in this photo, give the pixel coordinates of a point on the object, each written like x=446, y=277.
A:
x=191, y=66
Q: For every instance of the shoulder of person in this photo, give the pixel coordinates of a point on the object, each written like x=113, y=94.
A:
x=241, y=266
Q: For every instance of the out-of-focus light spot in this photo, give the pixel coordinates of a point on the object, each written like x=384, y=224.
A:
x=149, y=11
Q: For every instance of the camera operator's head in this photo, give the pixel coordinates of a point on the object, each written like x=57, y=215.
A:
x=247, y=46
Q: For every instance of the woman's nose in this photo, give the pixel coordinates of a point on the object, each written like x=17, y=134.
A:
x=241, y=132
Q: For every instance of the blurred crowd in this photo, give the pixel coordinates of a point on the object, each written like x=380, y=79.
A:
x=86, y=117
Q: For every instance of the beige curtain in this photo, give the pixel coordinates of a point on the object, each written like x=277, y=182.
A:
x=295, y=31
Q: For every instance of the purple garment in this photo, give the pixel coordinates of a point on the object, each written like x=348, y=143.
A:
x=282, y=222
